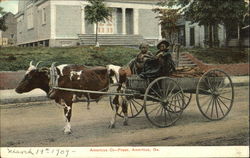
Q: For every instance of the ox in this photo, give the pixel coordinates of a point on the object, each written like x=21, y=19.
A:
x=40, y=78
x=92, y=79
x=69, y=76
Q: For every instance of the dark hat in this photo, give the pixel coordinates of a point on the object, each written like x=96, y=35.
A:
x=163, y=42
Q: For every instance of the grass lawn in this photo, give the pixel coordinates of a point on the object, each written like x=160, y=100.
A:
x=17, y=58
x=220, y=55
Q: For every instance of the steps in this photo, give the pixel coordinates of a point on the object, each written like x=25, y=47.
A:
x=114, y=39
x=184, y=61
x=126, y=40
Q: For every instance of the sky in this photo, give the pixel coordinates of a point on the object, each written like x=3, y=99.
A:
x=9, y=5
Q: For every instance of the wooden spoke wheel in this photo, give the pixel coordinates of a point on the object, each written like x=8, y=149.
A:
x=134, y=106
x=163, y=102
x=215, y=94
x=187, y=99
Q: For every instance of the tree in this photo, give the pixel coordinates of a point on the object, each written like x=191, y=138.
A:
x=168, y=21
x=96, y=12
x=205, y=13
x=3, y=27
x=211, y=13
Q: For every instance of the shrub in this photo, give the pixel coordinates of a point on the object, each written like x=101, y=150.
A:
x=220, y=55
x=17, y=58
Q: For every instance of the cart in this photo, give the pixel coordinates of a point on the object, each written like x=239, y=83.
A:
x=164, y=99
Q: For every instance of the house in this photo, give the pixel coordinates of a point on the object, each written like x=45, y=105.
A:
x=8, y=37
x=193, y=35
x=197, y=36
x=62, y=23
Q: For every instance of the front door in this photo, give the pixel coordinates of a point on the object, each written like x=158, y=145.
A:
x=106, y=27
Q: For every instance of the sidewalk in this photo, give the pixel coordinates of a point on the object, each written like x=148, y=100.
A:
x=10, y=96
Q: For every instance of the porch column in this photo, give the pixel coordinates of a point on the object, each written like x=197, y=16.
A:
x=160, y=37
x=83, y=19
x=136, y=21
x=114, y=16
x=202, y=35
x=52, y=20
x=124, y=21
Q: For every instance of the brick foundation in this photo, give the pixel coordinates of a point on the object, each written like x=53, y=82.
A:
x=10, y=80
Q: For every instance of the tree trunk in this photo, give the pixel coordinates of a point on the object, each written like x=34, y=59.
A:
x=227, y=36
x=239, y=37
x=170, y=38
x=210, y=36
x=96, y=35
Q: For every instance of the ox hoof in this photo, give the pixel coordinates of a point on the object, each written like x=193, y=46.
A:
x=112, y=126
x=67, y=132
x=125, y=123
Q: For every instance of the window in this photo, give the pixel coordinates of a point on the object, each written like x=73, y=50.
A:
x=43, y=16
x=214, y=32
x=232, y=31
x=30, y=18
x=12, y=36
x=192, y=37
x=20, y=19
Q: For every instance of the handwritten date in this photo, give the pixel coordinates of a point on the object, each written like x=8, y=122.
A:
x=41, y=151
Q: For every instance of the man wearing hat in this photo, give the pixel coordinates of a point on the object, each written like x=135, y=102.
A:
x=161, y=65
x=165, y=58
x=162, y=47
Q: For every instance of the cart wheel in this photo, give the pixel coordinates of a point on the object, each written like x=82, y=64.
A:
x=215, y=94
x=163, y=102
x=187, y=99
x=135, y=106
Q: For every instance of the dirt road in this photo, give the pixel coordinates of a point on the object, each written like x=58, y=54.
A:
x=41, y=124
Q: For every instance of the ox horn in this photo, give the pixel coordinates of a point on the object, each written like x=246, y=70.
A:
x=38, y=63
x=31, y=63
x=53, y=64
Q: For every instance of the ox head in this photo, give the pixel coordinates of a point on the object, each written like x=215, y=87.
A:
x=34, y=78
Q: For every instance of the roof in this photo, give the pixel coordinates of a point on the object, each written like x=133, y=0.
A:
x=7, y=14
x=181, y=21
x=134, y=1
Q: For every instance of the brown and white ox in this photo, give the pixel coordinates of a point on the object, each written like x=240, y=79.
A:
x=69, y=76
x=92, y=79
x=40, y=78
